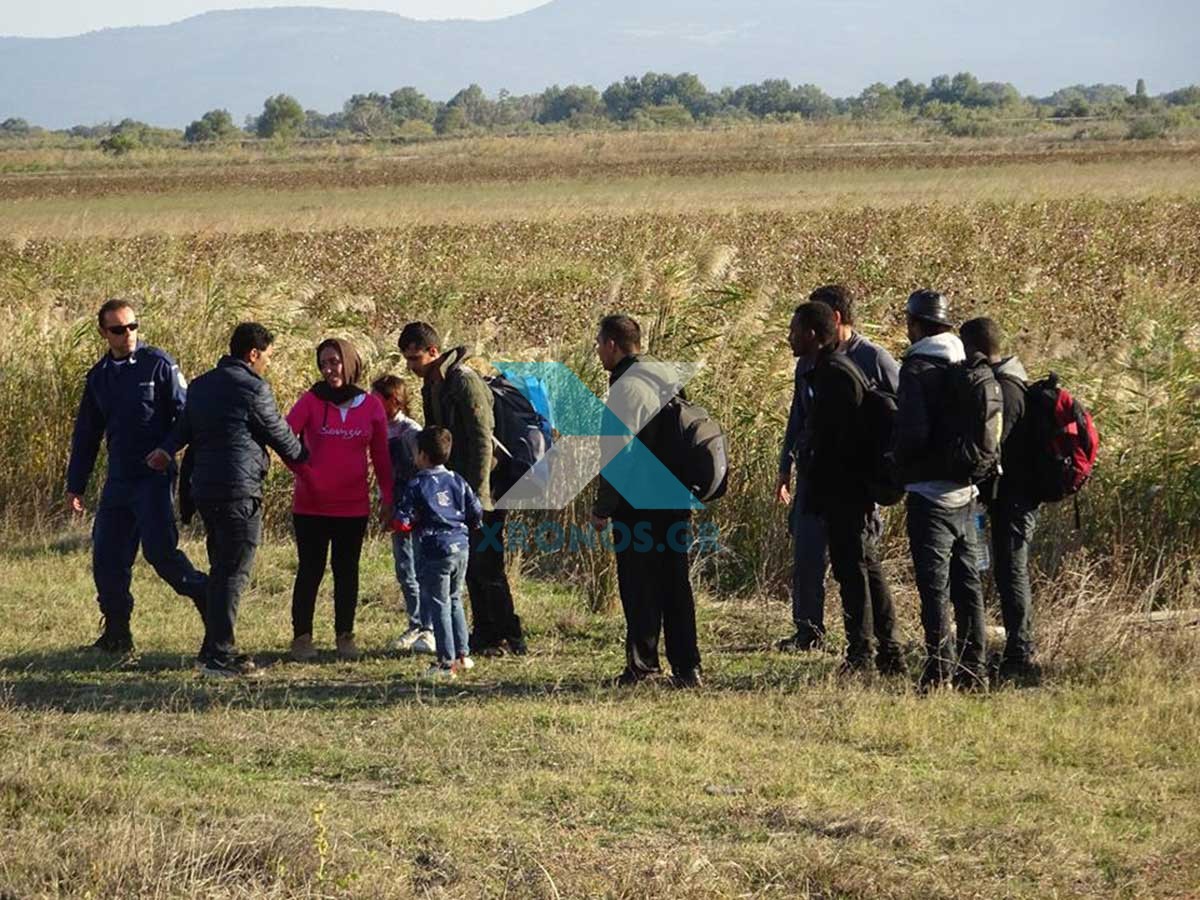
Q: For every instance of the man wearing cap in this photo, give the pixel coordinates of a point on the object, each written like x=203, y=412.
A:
x=941, y=530
x=131, y=399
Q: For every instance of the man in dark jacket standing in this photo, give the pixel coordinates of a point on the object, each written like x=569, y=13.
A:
x=653, y=577
x=229, y=421
x=1010, y=503
x=941, y=527
x=836, y=468
x=131, y=399
x=809, y=540
x=455, y=397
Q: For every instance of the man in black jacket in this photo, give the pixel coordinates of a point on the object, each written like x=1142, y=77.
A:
x=836, y=469
x=1010, y=503
x=229, y=420
x=941, y=522
x=652, y=544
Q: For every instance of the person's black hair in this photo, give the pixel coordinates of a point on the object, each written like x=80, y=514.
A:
x=818, y=318
x=418, y=336
x=436, y=443
x=394, y=388
x=249, y=336
x=624, y=331
x=984, y=335
x=112, y=305
x=838, y=298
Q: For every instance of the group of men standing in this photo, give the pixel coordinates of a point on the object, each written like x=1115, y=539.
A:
x=835, y=513
x=138, y=400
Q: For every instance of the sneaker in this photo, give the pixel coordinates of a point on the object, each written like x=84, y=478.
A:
x=404, y=643
x=347, y=650
x=425, y=644
x=438, y=672
x=801, y=643
x=231, y=667
x=303, y=650
x=689, y=678
x=465, y=663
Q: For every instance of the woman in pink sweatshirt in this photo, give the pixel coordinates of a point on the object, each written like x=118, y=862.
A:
x=341, y=425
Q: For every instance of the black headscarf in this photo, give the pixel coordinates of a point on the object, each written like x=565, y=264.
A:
x=351, y=373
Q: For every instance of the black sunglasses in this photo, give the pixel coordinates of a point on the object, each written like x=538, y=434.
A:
x=121, y=329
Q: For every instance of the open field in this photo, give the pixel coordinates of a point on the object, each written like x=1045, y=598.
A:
x=530, y=779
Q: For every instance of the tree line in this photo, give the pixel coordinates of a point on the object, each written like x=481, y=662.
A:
x=963, y=104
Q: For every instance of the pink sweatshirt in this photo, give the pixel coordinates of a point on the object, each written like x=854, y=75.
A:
x=333, y=482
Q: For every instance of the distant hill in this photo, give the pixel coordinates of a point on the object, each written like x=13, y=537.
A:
x=169, y=75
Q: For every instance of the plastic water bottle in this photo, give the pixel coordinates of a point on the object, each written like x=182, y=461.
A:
x=983, y=550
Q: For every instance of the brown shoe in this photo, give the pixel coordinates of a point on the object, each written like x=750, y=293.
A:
x=302, y=649
x=347, y=650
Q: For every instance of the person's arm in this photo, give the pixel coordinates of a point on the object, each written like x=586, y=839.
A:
x=473, y=408
x=912, y=419
x=474, y=510
x=889, y=372
x=381, y=457
x=405, y=517
x=625, y=404
x=85, y=446
x=172, y=387
x=270, y=428
x=297, y=420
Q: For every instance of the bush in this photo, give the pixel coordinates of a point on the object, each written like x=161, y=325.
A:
x=1147, y=128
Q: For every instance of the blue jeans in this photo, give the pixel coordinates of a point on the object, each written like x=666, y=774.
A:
x=1013, y=524
x=442, y=577
x=140, y=512
x=404, y=555
x=810, y=560
x=943, y=545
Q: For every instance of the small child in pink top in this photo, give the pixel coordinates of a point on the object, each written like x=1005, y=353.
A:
x=341, y=425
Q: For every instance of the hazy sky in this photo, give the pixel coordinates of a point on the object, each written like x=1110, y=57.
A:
x=56, y=18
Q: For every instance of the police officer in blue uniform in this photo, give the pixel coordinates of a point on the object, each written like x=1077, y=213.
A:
x=131, y=399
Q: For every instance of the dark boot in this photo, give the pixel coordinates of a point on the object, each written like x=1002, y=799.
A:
x=116, y=638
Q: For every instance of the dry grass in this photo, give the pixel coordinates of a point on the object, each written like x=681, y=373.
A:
x=530, y=779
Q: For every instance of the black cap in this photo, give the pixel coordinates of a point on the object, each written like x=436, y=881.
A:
x=928, y=306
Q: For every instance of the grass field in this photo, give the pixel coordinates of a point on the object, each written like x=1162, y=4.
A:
x=530, y=778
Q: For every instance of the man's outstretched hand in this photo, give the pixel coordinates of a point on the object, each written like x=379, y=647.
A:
x=158, y=460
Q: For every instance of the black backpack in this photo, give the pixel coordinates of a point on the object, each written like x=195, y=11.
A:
x=973, y=419
x=876, y=426
x=693, y=448
x=521, y=436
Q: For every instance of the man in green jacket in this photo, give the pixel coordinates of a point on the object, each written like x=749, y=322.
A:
x=456, y=397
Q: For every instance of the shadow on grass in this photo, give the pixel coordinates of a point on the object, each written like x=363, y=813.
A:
x=75, y=681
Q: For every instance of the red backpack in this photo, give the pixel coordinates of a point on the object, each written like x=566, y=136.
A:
x=1063, y=438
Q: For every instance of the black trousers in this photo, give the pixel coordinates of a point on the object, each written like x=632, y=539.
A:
x=493, y=615
x=656, y=592
x=868, y=612
x=315, y=536
x=233, y=530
